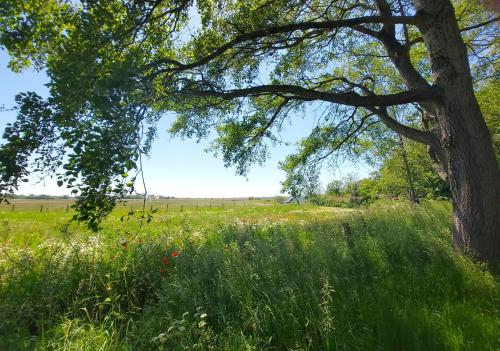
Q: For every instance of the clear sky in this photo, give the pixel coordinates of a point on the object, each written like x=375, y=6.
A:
x=177, y=167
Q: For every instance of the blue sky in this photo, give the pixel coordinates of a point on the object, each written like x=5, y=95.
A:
x=177, y=167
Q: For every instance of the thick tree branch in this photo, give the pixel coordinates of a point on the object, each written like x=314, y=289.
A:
x=299, y=93
x=399, y=55
x=385, y=10
x=440, y=168
x=408, y=132
x=288, y=28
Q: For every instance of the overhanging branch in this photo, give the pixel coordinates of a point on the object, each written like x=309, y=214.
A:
x=350, y=98
x=408, y=132
x=288, y=28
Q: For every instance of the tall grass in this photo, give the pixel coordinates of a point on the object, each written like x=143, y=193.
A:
x=278, y=278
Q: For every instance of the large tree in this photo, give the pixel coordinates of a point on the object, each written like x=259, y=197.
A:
x=245, y=67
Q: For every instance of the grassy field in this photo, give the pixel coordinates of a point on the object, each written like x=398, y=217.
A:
x=252, y=276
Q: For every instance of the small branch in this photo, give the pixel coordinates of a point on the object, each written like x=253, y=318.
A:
x=479, y=25
x=348, y=137
x=271, y=120
x=465, y=29
x=288, y=28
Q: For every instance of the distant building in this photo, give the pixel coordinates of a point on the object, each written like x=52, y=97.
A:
x=298, y=200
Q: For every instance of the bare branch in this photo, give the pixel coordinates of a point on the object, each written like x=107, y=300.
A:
x=479, y=25
x=465, y=29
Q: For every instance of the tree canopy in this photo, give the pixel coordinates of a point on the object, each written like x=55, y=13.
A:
x=245, y=69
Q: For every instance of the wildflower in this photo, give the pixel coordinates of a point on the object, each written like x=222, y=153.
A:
x=165, y=260
x=175, y=254
x=162, y=270
x=141, y=241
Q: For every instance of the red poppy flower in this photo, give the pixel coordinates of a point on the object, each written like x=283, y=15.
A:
x=165, y=260
x=174, y=254
x=162, y=270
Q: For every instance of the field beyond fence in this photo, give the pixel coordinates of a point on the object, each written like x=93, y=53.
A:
x=46, y=205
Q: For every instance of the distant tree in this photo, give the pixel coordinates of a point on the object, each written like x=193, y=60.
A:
x=408, y=171
x=350, y=184
x=392, y=177
x=117, y=66
x=334, y=187
x=369, y=189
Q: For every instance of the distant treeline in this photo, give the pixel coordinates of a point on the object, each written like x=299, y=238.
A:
x=40, y=197
x=65, y=197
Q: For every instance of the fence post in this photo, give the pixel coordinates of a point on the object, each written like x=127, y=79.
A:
x=182, y=208
x=67, y=208
x=41, y=208
x=167, y=207
x=12, y=207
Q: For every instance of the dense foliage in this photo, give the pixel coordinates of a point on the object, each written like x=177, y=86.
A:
x=391, y=180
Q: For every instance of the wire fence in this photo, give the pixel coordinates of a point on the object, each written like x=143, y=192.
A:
x=173, y=205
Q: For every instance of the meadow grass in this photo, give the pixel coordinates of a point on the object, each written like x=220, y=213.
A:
x=245, y=278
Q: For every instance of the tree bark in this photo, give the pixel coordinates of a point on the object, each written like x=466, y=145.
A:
x=465, y=143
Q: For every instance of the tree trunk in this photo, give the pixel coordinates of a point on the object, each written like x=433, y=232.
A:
x=412, y=195
x=466, y=149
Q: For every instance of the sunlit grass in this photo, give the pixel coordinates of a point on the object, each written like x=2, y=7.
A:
x=244, y=278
